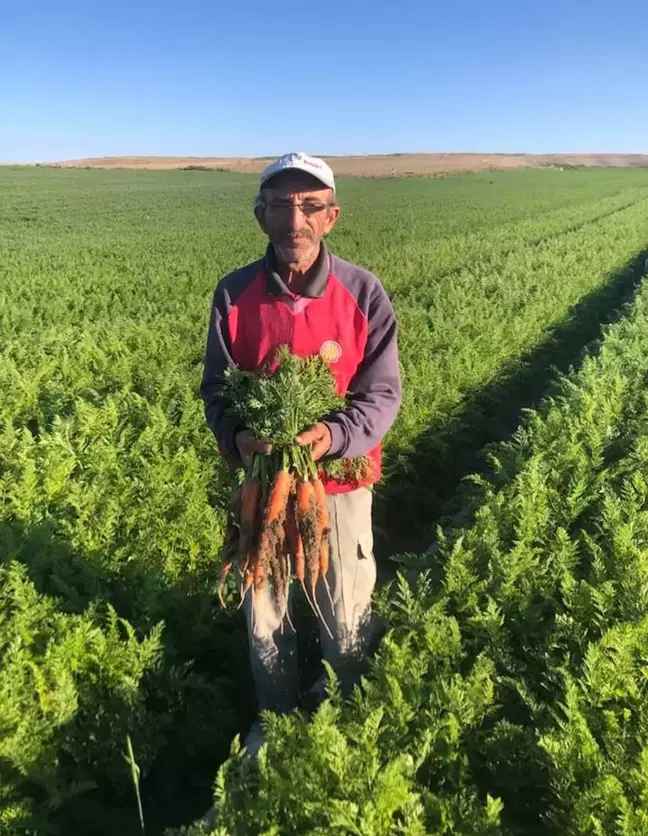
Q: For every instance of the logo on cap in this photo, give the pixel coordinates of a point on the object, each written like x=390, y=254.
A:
x=330, y=351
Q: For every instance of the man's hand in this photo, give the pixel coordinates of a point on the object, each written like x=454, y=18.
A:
x=248, y=445
x=319, y=436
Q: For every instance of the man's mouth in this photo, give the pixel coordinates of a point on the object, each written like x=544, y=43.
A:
x=295, y=240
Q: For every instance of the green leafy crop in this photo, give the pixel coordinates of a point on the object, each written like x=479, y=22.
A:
x=279, y=401
x=508, y=693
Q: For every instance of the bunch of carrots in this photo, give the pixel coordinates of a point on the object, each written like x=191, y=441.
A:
x=279, y=530
x=278, y=525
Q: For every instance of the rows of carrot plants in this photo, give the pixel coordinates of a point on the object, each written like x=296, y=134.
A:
x=508, y=695
x=112, y=494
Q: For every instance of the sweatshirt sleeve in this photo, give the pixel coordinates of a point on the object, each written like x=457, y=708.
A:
x=374, y=393
x=217, y=359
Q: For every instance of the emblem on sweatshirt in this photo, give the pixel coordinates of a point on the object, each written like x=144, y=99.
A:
x=330, y=351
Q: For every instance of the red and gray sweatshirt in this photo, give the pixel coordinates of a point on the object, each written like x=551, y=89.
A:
x=344, y=314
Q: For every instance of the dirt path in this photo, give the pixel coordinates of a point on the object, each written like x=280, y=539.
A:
x=396, y=165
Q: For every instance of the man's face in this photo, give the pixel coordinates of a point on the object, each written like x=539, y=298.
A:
x=295, y=213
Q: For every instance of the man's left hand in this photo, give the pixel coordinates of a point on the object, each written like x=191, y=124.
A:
x=319, y=436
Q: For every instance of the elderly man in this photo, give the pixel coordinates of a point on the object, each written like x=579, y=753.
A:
x=302, y=295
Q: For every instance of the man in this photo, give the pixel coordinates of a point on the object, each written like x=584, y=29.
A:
x=301, y=295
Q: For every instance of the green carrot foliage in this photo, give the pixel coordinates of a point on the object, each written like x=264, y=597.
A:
x=508, y=693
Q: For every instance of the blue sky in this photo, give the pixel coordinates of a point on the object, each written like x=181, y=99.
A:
x=252, y=78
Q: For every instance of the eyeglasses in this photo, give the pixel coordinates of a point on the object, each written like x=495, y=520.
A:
x=307, y=208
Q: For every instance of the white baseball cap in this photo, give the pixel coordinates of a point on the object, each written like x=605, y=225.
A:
x=303, y=162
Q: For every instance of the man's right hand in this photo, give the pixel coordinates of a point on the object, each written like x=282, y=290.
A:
x=247, y=445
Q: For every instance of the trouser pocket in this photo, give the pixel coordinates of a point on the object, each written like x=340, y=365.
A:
x=365, y=574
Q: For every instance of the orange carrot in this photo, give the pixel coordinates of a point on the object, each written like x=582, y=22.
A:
x=324, y=565
x=304, y=494
x=300, y=561
x=225, y=568
x=281, y=576
x=307, y=524
x=272, y=528
x=276, y=565
x=250, y=499
x=278, y=499
x=308, y=521
x=321, y=502
x=323, y=517
x=294, y=545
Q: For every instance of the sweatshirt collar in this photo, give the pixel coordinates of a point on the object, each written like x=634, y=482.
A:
x=317, y=275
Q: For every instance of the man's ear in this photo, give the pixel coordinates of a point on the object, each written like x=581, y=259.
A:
x=333, y=215
x=259, y=214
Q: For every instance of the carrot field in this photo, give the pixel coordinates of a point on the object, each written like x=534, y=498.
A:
x=509, y=693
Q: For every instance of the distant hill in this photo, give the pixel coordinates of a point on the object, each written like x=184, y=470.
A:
x=395, y=165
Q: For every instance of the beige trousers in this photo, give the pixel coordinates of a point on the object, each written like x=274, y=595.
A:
x=351, y=578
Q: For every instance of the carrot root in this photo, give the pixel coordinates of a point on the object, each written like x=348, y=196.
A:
x=328, y=593
x=308, y=598
x=324, y=565
x=319, y=613
x=289, y=620
x=225, y=569
x=246, y=585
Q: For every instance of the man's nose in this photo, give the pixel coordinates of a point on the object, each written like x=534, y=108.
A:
x=294, y=216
